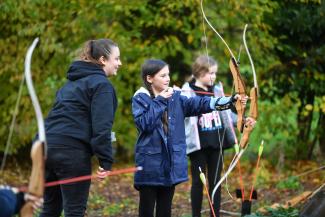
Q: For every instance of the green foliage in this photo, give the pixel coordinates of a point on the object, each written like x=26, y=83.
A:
x=290, y=183
x=286, y=65
x=97, y=201
x=280, y=212
x=99, y=206
x=277, y=127
x=301, y=66
x=264, y=176
x=186, y=215
x=299, y=27
x=117, y=208
x=137, y=26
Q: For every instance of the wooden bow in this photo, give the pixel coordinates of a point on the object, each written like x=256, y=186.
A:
x=253, y=109
x=239, y=89
x=38, y=151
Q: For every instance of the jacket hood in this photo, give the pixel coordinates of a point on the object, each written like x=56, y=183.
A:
x=81, y=69
x=142, y=90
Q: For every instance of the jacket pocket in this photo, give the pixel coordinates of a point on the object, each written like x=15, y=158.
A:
x=180, y=161
x=151, y=160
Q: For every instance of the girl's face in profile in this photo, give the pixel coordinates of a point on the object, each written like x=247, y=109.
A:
x=160, y=81
x=209, y=77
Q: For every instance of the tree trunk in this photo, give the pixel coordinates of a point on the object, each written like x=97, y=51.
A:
x=318, y=132
x=322, y=133
x=304, y=124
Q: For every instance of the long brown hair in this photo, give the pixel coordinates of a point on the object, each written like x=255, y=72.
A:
x=94, y=49
x=151, y=67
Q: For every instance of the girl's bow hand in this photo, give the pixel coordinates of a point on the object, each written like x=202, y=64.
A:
x=250, y=122
x=242, y=99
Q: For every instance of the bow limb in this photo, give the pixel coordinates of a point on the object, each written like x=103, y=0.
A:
x=208, y=22
x=253, y=110
x=38, y=151
x=230, y=168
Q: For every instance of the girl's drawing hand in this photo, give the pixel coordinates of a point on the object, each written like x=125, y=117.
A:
x=168, y=92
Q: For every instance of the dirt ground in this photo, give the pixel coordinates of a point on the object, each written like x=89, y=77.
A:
x=116, y=197
x=120, y=199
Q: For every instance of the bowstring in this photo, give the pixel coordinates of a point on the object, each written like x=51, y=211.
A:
x=221, y=140
x=12, y=125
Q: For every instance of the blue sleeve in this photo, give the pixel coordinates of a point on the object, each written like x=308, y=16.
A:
x=102, y=117
x=221, y=103
x=148, y=114
x=8, y=202
x=196, y=105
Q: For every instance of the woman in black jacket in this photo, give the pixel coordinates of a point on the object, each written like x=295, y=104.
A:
x=79, y=125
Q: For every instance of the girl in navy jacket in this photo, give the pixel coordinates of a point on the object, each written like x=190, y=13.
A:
x=79, y=125
x=159, y=114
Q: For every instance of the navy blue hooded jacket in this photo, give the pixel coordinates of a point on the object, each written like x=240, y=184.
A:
x=163, y=156
x=83, y=113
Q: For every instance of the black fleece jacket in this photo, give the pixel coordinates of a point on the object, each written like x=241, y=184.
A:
x=83, y=113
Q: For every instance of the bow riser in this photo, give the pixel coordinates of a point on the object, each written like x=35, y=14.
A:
x=239, y=89
x=36, y=181
x=253, y=113
x=27, y=210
